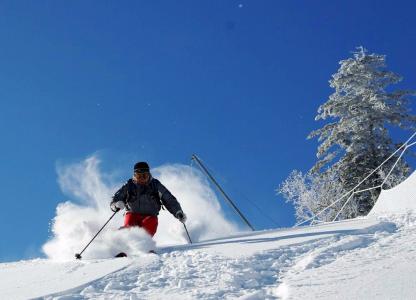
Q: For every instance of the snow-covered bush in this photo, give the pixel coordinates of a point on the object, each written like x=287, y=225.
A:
x=310, y=193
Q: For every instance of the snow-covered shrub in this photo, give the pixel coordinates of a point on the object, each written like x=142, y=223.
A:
x=310, y=193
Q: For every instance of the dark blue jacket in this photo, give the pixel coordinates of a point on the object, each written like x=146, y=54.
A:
x=146, y=199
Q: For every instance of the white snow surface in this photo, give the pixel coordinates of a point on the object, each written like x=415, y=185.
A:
x=364, y=258
x=367, y=258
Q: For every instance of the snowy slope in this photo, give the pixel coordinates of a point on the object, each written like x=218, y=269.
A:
x=253, y=265
x=294, y=263
x=364, y=258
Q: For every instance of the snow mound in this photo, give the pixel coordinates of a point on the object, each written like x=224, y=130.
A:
x=400, y=199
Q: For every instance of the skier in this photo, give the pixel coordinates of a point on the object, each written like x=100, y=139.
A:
x=143, y=196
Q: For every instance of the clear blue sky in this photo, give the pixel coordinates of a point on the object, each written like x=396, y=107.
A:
x=237, y=82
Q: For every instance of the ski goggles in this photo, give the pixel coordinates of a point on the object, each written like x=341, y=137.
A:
x=142, y=175
x=141, y=171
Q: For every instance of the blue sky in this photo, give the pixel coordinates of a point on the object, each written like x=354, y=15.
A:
x=236, y=82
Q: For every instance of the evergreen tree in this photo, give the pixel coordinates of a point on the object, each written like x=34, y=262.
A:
x=363, y=111
x=358, y=140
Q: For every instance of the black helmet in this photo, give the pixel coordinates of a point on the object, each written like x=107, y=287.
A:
x=141, y=167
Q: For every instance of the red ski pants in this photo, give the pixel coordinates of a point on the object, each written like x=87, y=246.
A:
x=148, y=223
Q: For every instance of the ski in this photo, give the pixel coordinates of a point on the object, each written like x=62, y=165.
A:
x=121, y=254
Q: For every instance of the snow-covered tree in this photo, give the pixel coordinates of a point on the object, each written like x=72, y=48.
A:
x=363, y=110
x=358, y=140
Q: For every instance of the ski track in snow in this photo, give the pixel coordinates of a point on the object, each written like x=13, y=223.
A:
x=269, y=274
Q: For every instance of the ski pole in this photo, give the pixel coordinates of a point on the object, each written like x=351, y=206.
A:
x=186, y=229
x=78, y=255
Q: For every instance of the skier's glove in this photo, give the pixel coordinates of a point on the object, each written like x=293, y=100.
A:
x=181, y=216
x=116, y=206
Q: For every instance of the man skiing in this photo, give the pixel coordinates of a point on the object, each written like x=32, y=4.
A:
x=142, y=197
